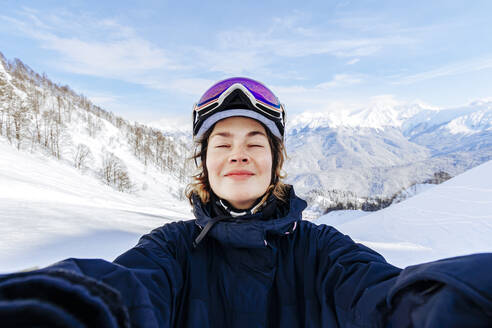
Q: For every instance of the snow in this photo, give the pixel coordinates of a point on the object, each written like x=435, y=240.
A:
x=412, y=191
x=475, y=122
x=3, y=73
x=378, y=115
x=450, y=219
x=336, y=218
x=50, y=211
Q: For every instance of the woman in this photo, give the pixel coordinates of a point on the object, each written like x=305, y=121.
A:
x=247, y=259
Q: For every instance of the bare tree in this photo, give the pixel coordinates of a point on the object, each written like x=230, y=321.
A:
x=7, y=112
x=82, y=156
x=3, y=102
x=51, y=132
x=34, y=101
x=136, y=139
x=94, y=125
x=114, y=172
x=20, y=122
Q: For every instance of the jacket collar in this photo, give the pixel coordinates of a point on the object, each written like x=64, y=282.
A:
x=249, y=231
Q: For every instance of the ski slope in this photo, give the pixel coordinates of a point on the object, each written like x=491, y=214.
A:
x=50, y=211
x=450, y=219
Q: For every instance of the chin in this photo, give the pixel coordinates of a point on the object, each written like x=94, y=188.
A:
x=241, y=197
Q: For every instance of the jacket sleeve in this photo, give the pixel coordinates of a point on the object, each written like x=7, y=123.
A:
x=454, y=292
x=366, y=291
x=353, y=280
x=140, y=288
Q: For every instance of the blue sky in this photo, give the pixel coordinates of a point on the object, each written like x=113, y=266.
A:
x=153, y=59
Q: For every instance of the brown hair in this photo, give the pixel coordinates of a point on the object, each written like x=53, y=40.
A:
x=201, y=186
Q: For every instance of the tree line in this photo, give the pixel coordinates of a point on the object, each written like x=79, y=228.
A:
x=35, y=113
x=335, y=200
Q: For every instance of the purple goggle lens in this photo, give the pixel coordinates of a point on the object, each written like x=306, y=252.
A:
x=258, y=90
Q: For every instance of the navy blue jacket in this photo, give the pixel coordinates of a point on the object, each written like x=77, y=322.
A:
x=252, y=271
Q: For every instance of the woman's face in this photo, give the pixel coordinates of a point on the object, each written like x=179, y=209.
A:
x=239, y=161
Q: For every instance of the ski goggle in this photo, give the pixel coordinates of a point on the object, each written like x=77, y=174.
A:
x=260, y=97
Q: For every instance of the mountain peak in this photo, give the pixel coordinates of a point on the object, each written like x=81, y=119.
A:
x=377, y=115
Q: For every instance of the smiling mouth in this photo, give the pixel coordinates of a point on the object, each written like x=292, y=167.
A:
x=232, y=174
x=240, y=175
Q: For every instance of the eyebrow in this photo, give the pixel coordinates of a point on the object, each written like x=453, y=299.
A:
x=228, y=134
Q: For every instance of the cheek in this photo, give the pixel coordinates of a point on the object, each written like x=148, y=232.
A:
x=213, y=165
x=266, y=165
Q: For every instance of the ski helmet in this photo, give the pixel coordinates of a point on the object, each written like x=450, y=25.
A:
x=238, y=96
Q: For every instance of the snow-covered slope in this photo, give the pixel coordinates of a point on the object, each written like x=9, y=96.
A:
x=39, y=116
x=381, y=150
x=451, y=219
x=49, y=211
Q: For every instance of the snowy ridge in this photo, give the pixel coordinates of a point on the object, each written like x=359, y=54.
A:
x=175, y=125
x=40, y=116
x=377, y=116
x=450, y=219
x=383, y=149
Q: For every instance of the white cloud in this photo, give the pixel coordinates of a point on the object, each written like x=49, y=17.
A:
x=312, y=99
x=340, y=80
x=448, y=70
x=174, y=123
x=388, y=100
x=116, y=59
x=294, y=22
x=194, y=87
x=256, y=50
x=94, y=47
x=109, y=49
x=232, y=61
x=106, y=48
x=290, y=44
x=103, y=100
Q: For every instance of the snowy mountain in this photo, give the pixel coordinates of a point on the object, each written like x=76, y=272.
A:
x=381, y=150
x=450, y=219
x=41, y=117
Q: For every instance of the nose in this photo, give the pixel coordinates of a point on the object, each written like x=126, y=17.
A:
x=239, y=156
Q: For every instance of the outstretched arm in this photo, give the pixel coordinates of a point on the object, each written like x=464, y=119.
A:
x=365, y=291
x=353, y=279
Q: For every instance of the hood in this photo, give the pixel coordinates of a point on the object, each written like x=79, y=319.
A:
x=250, y=231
